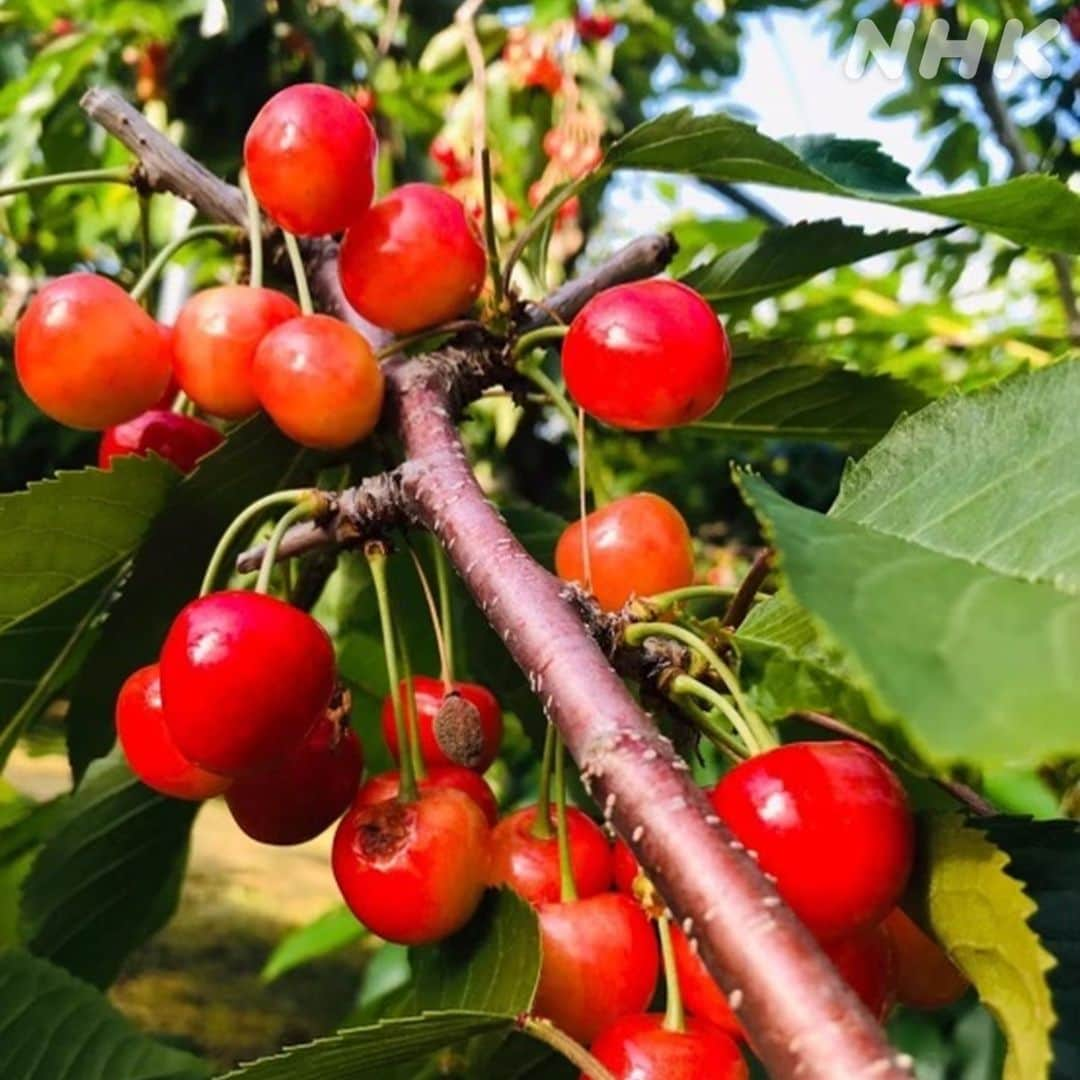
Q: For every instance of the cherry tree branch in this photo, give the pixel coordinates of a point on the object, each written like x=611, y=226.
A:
x=803, y=1019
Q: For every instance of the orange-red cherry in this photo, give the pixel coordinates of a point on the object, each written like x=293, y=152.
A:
x=639, y=1047
x=700, y=993
x=177, y=438
x=830, y=821
x=148, y=747
x=320, y=382
x=244, y=678
x=646, y=356
x=310, y=157
x=413, y=873
x=530, y=865
x=624, y=867
x=214, y=343
x=442, y=741
x=386, y=786
x=413, y=260
x=638, y=545
x=600, y=962
x=865, y=960
x=87, y=355
x=305, y=792
x=923, y=975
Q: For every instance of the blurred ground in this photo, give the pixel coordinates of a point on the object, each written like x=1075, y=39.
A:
x=196, y=984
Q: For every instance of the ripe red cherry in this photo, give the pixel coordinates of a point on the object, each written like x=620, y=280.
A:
x=595, y=27
x=310, y=156
x=179, y=439
x=923, y=975
x=413, y=260
x=624, y=867
x=413, y=873
x=646, y=355
x=638, y=545
x=700, y=993
x=831, y=822
x=244, y=677
x=305, y=792
x=530, y=865
x=386, y=785
x=148, y=747
x=87, y=355
x=446, y=743
x=214, y=343
x=319, y=381
x=600, y=962
x=639, y=1047
x=866, y=963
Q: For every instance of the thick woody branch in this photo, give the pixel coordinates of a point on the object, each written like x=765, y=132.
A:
x=802, y=1017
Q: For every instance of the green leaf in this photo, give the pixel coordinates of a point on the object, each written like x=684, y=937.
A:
x=1001, y=896
x=947, y=573
x=782, y=258
x=358, y=1052
x=57, y=1028
x=108, y=877
x=254, y=459
x=1035, y=211
x=332, y=930
x=491, y=966
x=776, y=395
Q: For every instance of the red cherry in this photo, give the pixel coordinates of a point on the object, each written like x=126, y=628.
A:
x=214, y=343
x=831, y=822
x=600, y=962
x=305, y=792
x=544, y=72
x=413, y=260
x=245, y=678
x=647, y=355
x=865, y=961
x=923, y=975
x=148, y=747
x=413, y=873
x=179, y=439
x=638, y=545
x=87, y=355
x=639, y=1047
x=595, y=27
x=319, y=381
x=530, y=865
x=386, y=785
x=452, y=166
x=366, y=98
x=310, y=156
x=624, y=866
x=700, y=993
x=1072, y=22
x=430, y=694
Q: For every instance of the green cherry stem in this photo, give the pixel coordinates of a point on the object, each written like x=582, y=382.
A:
x=291, y=517
x=491, y=243
x=436, y=622
x=120, y=174
x=541, y=826
x=707, y=721
x=540, y=336
x=432, y=333
x=663, y=600
x=546, y=1032
x=419, y=768
x=688, y=686
x=239, y=523
x=446, y=603
x=568, y=887
x=674, y=1016
x=254, y=230
x=144, y=231
x=303, y=293
x=376, y=557
x=161, y=259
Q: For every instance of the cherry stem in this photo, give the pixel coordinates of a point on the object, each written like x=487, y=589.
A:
x=303, y=293
x=288, y=520
x=540, y=336
x=683, y=685
x=707, y=723
x=144, y=231
x=546, y=1032
x=446, y=605
x=541, y=826
x=419, y=768
x=376, y=557
x=120, y=174
x=456, y=326
x=239, y=523
x=762, y=737
x=660, y=601
x=583, y=497
x=254, y=230
x=161, y=259
x=674, y=1016
x=568, y=887
x=491, y=243
x=746, y=594
x=436, y=624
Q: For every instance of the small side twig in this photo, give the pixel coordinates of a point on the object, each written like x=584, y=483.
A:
x=743, y=600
